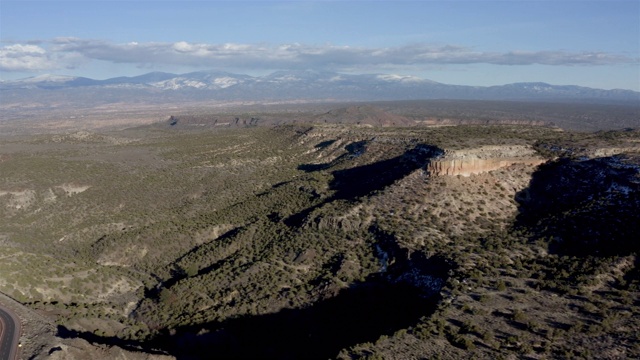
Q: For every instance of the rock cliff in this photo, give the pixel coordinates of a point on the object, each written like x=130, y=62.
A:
x=483, y=159
x=430, y=121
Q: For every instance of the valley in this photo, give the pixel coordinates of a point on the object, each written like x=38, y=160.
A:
x=391, y=230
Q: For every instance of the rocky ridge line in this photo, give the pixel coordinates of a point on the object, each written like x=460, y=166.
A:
x=483, y=159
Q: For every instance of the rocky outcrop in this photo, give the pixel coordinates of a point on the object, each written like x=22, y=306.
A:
x=479, y=160
x=454, y=122
x=610, y=151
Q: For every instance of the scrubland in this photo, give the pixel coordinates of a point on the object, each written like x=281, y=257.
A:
x=325, y=240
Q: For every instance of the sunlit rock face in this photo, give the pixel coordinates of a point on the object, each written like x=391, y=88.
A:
x=480, y=160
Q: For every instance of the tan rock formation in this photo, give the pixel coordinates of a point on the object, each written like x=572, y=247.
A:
x=480, y=160
x=430, y=121
x=603, y=152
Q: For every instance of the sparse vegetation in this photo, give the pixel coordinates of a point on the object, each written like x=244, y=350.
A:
x=152, y=237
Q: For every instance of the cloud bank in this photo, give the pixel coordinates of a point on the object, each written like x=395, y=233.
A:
x=62, y=53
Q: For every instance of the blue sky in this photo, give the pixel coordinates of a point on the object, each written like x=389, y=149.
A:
x=588, y=43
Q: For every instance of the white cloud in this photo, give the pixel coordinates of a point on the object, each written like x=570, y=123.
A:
x=18, y=57
x=66, y=52
x=24, y=57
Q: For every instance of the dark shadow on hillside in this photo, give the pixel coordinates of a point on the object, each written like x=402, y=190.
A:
x=325, y=144
x=360, y=181
x=358, y=314
x=180, y=274
x=381, y=305
x=131, y=345
x=363, y=180
x=584, y=207
x=361, y=313
x=354, y=150
x=407, y=289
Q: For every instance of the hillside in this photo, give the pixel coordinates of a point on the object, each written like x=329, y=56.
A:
x=351, y=238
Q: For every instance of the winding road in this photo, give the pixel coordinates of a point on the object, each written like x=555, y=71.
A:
x=9, y=334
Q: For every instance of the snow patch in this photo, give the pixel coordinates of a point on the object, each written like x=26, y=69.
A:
x=179, y=83
x=286, y=78
x=398, y=78
x=225, y=82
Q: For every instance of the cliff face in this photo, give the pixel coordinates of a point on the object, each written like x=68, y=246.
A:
x=484, y=159
x=453, y=122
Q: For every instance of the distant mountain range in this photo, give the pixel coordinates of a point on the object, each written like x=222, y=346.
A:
x=159, y=87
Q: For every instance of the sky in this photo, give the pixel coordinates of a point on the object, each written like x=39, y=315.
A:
x=481, y=43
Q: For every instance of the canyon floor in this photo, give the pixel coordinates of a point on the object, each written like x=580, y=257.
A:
x=350, y=233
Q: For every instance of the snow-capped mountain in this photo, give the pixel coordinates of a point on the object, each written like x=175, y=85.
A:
x=291, y=85
x=202, y=80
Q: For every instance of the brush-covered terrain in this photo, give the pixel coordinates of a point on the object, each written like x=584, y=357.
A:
x=325, y=241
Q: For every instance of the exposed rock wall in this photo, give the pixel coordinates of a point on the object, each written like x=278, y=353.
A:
x=479, y=160
x=455, y=122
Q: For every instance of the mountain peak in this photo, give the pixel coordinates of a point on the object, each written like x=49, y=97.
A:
x=313, y=85
x=49, y=78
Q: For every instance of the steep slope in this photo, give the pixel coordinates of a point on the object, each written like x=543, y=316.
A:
x=588, y=206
